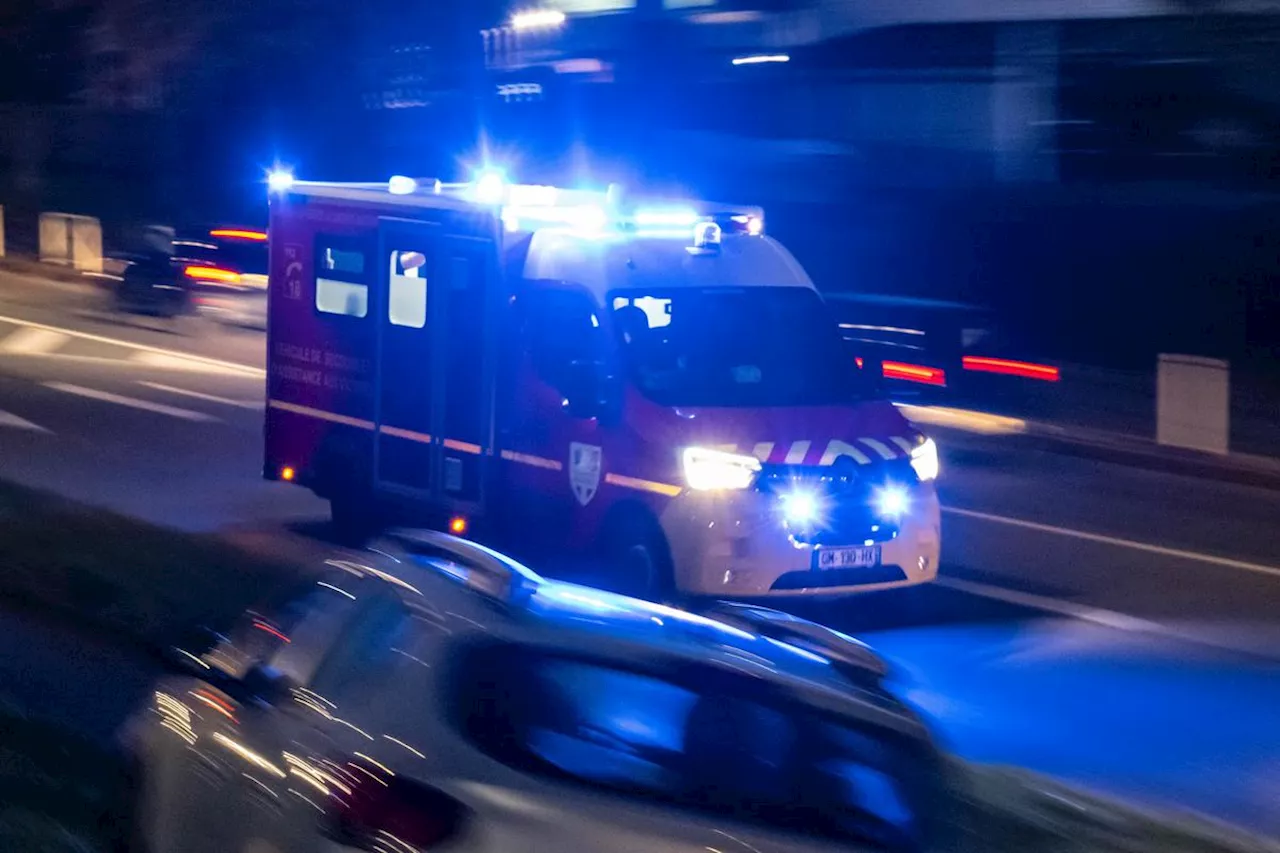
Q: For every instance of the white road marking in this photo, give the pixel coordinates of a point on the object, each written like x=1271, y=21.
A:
x=200, y=395
x=132, y=402
x=11, y=420
x=1097, y=615
x=229, y=366
x=29, y=341
x=1177, y=553
x=1198, y=635
x=175, y=362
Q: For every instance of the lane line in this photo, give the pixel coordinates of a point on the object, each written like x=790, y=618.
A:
x=1111, y=619
x=1083, y=612
x=28, y=341
x=131, y=402
x=200, y=395
x=230, y=366
x=171, y=362
x=1177, y=553
x=11, y=420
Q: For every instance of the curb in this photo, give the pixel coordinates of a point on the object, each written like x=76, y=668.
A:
x=52, y=272
x=1238, y=469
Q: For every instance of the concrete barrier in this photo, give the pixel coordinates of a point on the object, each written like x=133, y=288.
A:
x=1193, y=403
x=67, y=239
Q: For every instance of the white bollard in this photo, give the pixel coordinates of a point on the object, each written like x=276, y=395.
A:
x=1193, y=403
x=70, y=240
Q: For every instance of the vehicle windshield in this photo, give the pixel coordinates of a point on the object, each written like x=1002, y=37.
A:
x=725, y=346
x=694, y=738
x=242, y=256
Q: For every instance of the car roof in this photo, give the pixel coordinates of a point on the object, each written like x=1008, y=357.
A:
x=570, y=617
x=606, y=264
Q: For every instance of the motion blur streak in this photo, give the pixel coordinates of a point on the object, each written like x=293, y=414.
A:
x=914, y=373
x=212, y=274
x=248, y=755
x=1006, y=367
x=239, y=234
x=963, y=419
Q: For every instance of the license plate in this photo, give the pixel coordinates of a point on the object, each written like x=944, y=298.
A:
x=848, y=558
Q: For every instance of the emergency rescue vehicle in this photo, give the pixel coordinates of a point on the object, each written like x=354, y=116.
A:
x=658, y=380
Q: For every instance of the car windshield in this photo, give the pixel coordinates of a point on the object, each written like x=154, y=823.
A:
x=724, y=346
x=243, y=256
x=693, y=737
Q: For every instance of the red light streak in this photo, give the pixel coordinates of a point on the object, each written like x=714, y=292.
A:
x=915, y=373
x=263, y=626
x=1006, y=367
x=212, y=274
x=239, y=234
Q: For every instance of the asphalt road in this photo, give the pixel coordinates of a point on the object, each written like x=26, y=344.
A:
x=1117, y=627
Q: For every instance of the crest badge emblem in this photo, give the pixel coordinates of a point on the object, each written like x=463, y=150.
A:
x=584, y=471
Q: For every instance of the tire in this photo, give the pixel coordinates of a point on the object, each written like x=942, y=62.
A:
x=353, y=519
x=639, y=559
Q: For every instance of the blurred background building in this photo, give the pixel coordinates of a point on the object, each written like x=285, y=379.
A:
x=1048, y=157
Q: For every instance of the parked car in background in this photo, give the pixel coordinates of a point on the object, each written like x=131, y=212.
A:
x=433, y=694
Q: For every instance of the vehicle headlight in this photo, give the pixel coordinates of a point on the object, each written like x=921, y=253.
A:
x=924, y=459
x=714, y=469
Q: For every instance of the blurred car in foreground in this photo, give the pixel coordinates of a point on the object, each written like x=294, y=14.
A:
x=432, y=694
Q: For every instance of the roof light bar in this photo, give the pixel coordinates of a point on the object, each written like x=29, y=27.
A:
x=402, y=185
x=538, y=19
x=760, y=59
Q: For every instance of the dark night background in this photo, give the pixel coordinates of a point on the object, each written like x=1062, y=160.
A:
x=1105, y=183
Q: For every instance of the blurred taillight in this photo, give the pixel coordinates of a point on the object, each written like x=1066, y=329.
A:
x=1008, y=367
x=222, y=276
x=914, y=373
x=385, y=811
x=239, y=234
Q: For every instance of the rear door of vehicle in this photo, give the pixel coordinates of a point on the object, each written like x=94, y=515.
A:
x=438, y=282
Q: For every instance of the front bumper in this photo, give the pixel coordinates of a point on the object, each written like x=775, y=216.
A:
x=735, y=544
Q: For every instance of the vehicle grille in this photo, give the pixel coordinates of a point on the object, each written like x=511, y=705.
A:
x=846, y=495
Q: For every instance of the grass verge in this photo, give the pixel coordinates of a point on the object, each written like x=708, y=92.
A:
x=142, y=584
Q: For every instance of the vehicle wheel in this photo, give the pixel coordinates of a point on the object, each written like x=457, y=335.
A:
x=353, y=519
x=639, y=560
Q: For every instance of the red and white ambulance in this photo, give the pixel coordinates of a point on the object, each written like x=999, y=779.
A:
x=657, y=380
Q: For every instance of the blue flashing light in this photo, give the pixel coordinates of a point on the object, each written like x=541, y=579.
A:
x=279, y=180
x=490, y=187
x=401, y=185
x=800, y=508
x=891, y=501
